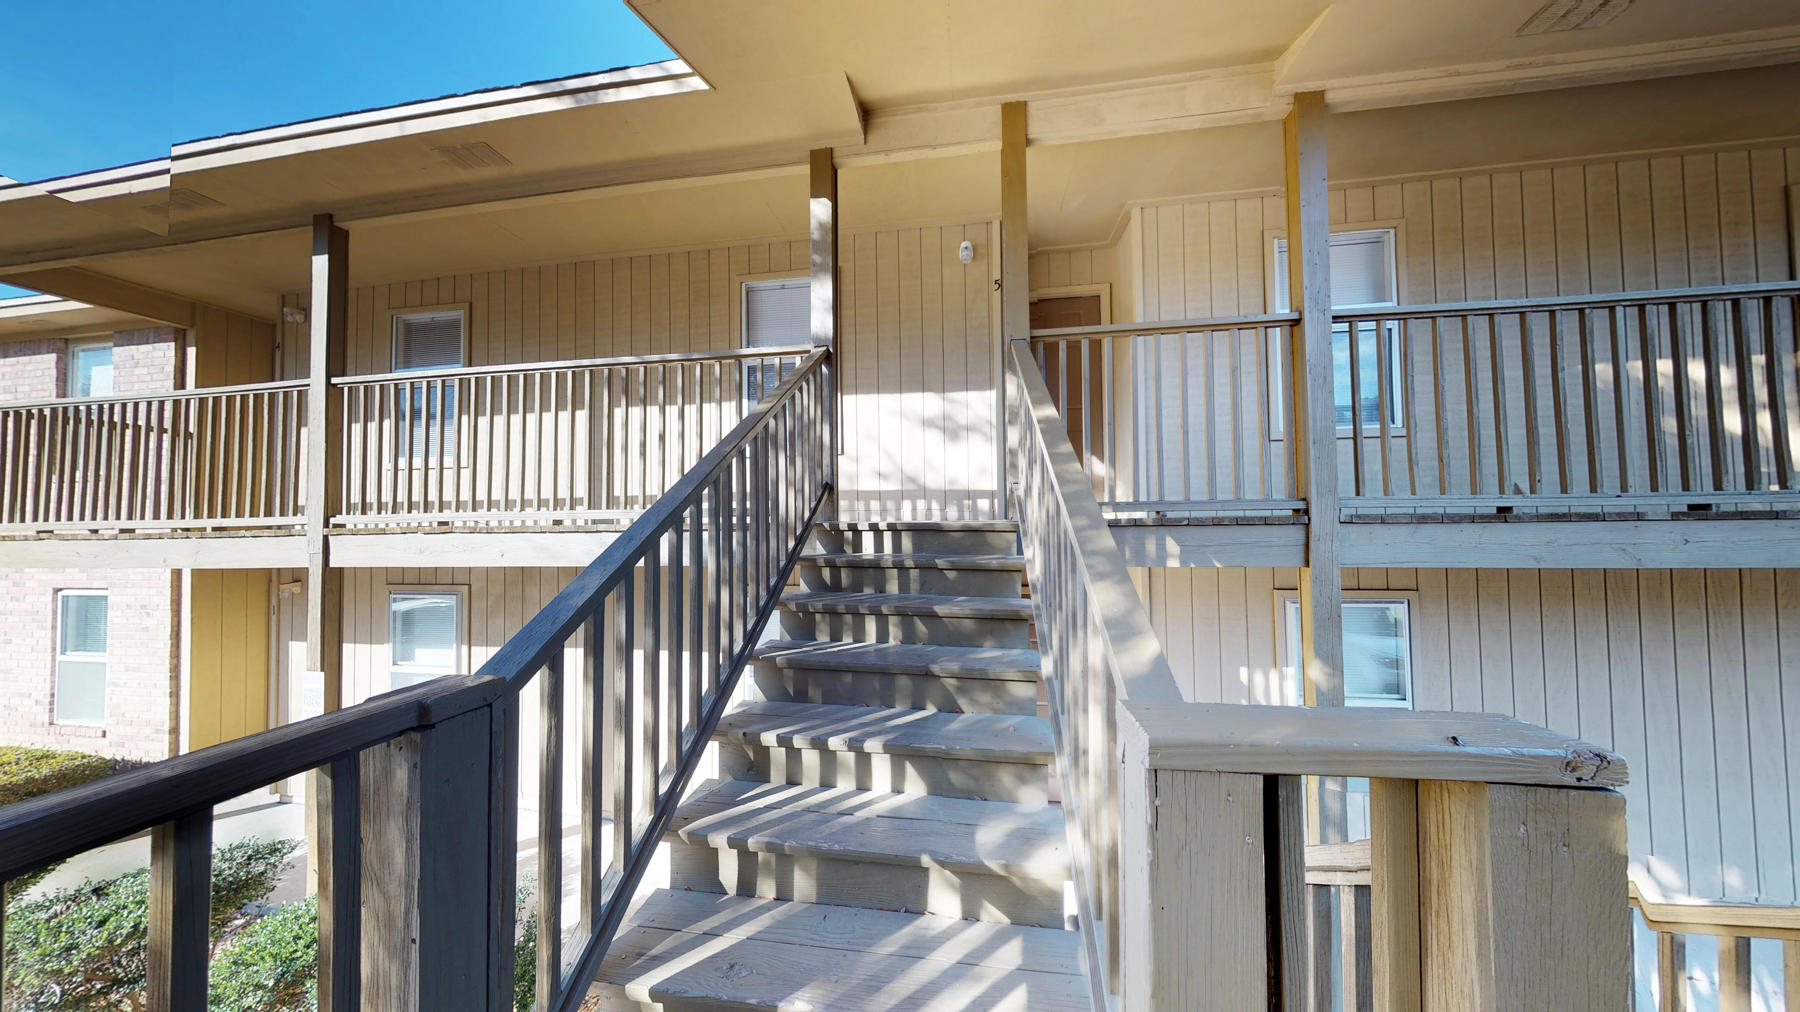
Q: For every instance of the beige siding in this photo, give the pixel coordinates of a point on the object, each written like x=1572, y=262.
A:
x=1681, y=671
x=228, y=655
x=917, y=327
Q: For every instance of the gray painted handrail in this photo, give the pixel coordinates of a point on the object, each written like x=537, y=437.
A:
x=618, y=361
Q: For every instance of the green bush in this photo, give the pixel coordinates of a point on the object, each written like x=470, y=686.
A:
x=28, y=772
x=273, y=964
x=84, y=948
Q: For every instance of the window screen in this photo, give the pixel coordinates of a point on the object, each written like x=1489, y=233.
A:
x=422, y=635
x=81, y=619
x=429, y=341
x=777, y=314
x=1362, y=276
x=1377, y=651
x=1362, y=270
x=91, y=370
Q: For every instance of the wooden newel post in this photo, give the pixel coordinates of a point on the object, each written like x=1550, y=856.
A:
x=438, y=903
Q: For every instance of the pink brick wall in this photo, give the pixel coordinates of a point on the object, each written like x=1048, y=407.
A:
x=140, y=684
x=144, y=361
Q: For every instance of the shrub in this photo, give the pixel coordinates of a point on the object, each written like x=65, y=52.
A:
x=84, y=948
x=28, y=772
x=273, y=964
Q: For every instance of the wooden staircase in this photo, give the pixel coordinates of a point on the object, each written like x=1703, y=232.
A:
x=885, y=837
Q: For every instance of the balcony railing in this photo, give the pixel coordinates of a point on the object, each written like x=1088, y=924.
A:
x=540, y=442
x=217, y=457
x=1666, y=397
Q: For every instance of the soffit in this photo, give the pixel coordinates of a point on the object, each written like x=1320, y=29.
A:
x=943, y=50
x=62, y=318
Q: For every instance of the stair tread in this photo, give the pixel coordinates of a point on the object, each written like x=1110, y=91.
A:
x=1012, y=664
x=784, y=954
x=874, y=603
x=915, y=560
x=993, y=737
x=957, y=834
x=919, y=525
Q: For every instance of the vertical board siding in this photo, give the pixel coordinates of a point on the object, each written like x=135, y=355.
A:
x=1613, y=224
x=1687, y=673
x=228, y=655
x=918, y=345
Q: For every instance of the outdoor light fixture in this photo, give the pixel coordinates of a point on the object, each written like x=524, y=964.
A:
x=293, y=314
x=966, y=252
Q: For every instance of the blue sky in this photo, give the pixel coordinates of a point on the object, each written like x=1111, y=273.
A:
x=135, y=76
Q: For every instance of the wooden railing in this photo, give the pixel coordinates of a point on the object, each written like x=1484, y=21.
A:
x=212, y=457
x=1684, y=395
x=1186, y=821
x=1097, y=645
x=540, y=442
x=416, y=813
x=1177, y=415
x=1733, y=925
x=1339, y=886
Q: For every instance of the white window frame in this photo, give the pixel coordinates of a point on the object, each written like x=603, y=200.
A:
x=461, y=596
x=85, y=658
x=1390, y=240
x=74, y=348
x=784, y=281
x=446, y=428
x=1287, y=602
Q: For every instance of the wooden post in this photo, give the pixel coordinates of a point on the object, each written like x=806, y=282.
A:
x=1194, y=902
x=1394, y=888
x=1734, y=974
x=822, y=213
x=1671, y=972
x=1015, y=250
x=325, y=355
x=1790, y=968
x=1315, y=427
x=337, y=858
x=179, y=947
x=430, y=902
x=1522, y=898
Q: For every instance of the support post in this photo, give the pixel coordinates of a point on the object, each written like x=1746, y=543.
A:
x=1315, y=425
x=822, y=214
x=325, y=361
x=1015, y=253
x=1394, y=893
x=1521, y=898
x=430, y=905
x=1671, y=972
x=1734, y=974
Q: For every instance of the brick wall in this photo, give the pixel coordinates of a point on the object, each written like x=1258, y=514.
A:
x=144, y=361
x=140, y=681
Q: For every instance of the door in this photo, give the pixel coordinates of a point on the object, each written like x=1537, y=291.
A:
x=1085, y=372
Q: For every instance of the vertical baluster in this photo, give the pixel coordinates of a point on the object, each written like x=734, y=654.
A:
x=1780, y=404
x=1621, y=396
x=1715, y=397
x=1408, y=394
x=622, y=677
x=696, y=515
x=1211, y=413
x=593, y=690
x=1497, y=389
x=180, y=902
x=1747, y=412
x=1383, y=402
x=550, y=823
x=679, y=702
x=642, y=415
x=1679, y=334
x=1088, y=407
x=1534, y=472
x=654, y=712
x=1590, y=409
x=1353, y=336
x=716, y=586
x=1236, y=421
x=1187, y=487
x=1260, y=339
x=1440, y=419
x=1650, y=359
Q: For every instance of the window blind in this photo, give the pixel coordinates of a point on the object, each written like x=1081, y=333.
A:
x=422, y=631
x=777, y=313
x=1375, y=650
x=428, y=340
x=83, y=624
x=1362, y=270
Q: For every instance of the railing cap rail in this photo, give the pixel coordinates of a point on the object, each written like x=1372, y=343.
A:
x=1557, y=302
x=60, y=825
x=1686, y=914
x=1167, y=326
x=191, y=393
x=1364, y=742
x=785, y=351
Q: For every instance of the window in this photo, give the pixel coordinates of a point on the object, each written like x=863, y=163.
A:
x=429, y=340
x=91, y=369
x=81, y=657
x=777, y=314
x=1377, y=672
x=1362, y=277
x=424, y=640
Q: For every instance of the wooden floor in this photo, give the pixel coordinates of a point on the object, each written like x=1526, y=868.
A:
x=884, y=836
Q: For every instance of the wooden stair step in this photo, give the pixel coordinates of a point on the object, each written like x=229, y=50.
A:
x=902, y=659
x=988, y=737
x=685, y=950
x=983, y=837
x=920, y=525
x=914, y=560
x=926, y=605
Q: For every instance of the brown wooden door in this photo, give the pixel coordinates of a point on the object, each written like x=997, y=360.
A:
x=1084, y=366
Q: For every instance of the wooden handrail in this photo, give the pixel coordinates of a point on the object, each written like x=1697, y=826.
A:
x=1554, y=303
x=191, y=393
x=1715, y=917
x=1165, y=326
x=619, y=361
